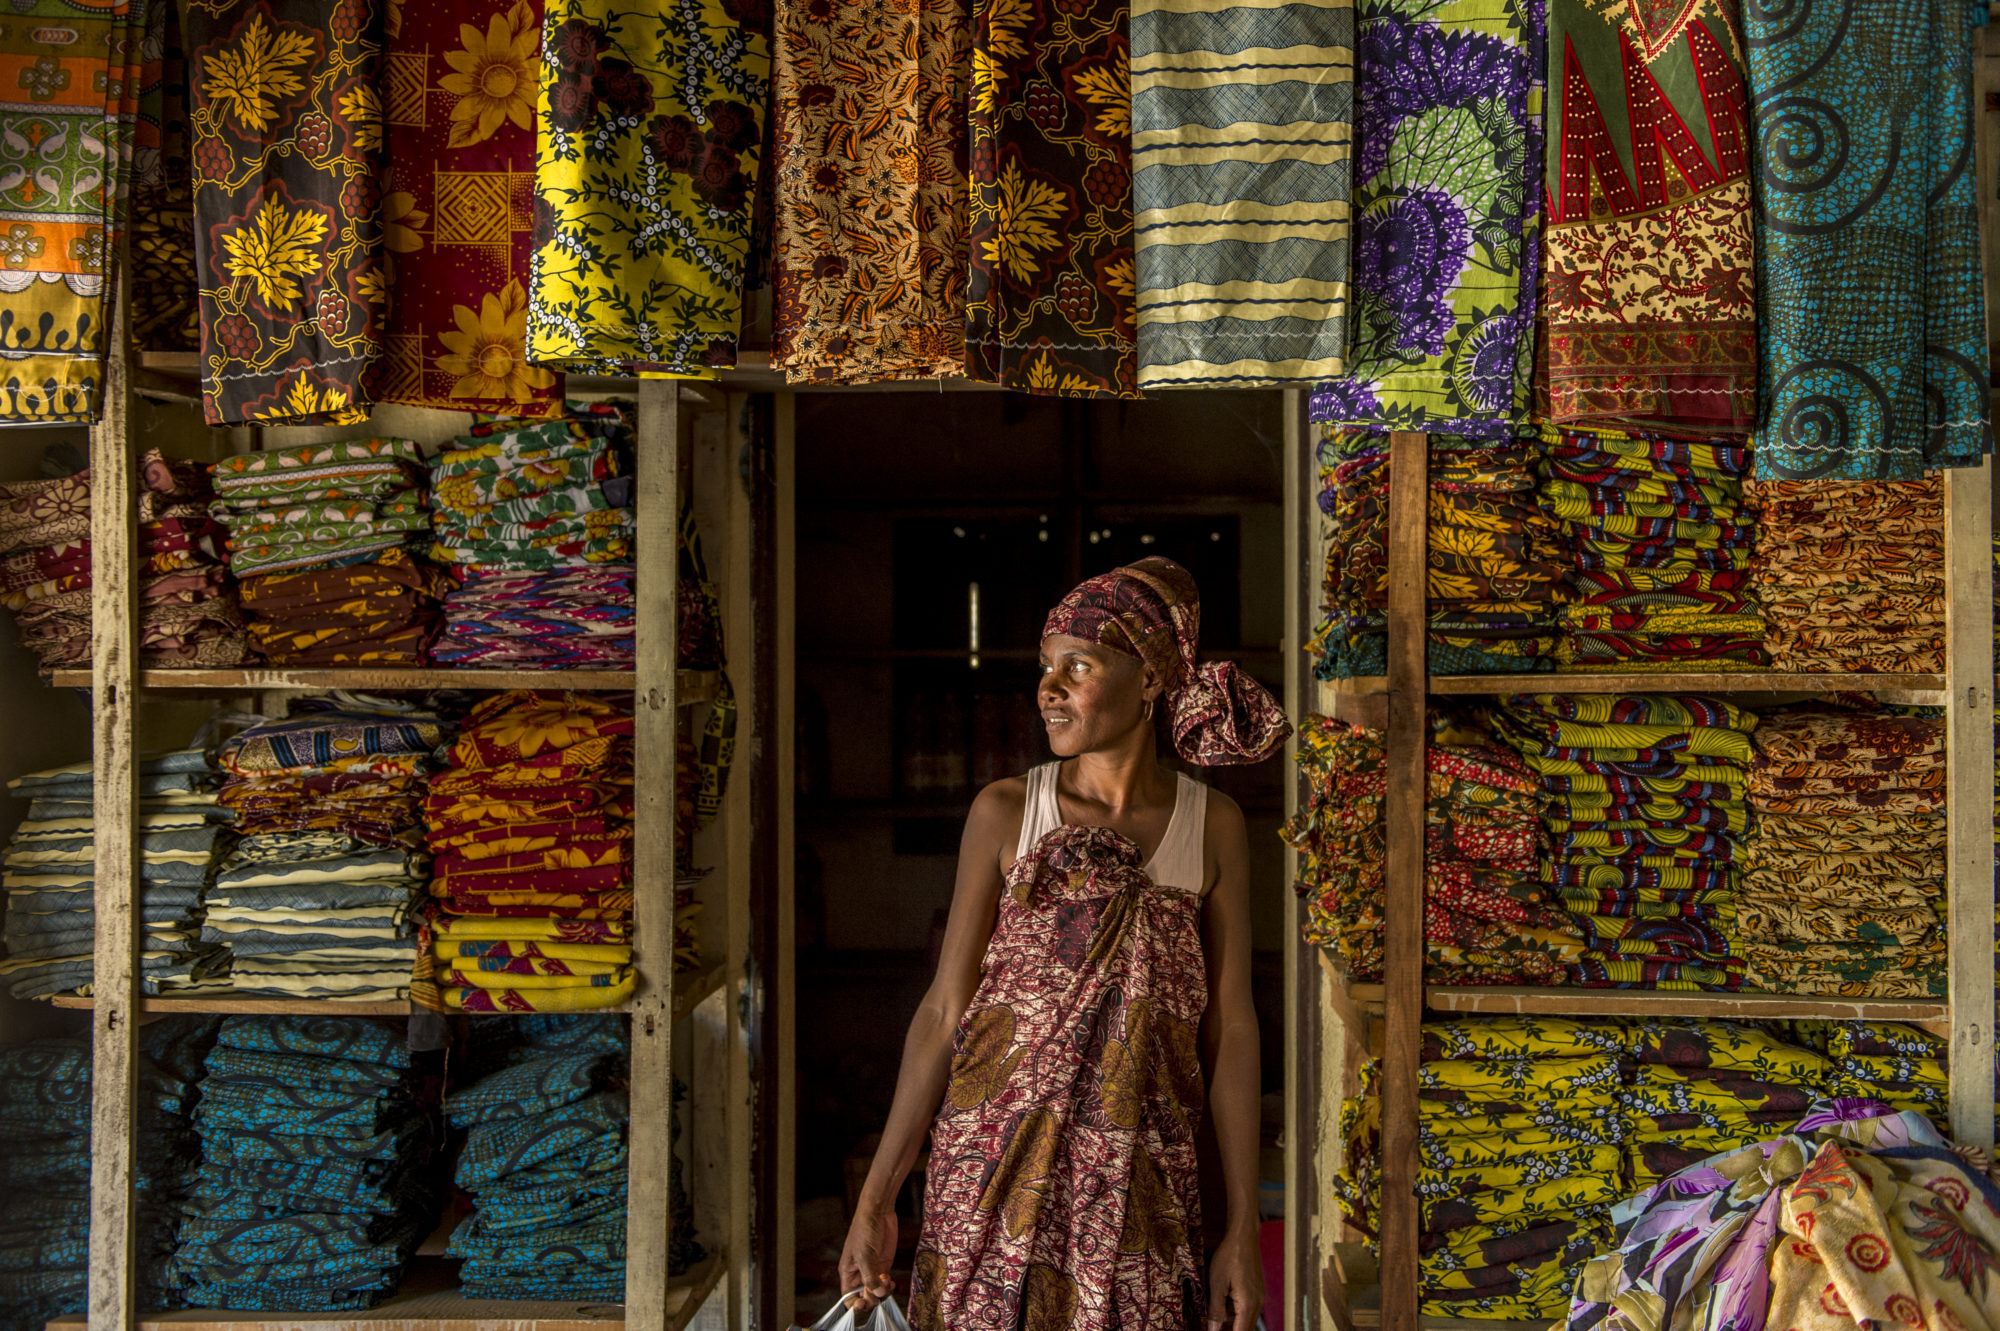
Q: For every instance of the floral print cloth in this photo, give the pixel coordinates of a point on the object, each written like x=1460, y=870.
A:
x=1648, y=269
x=458, y=101
x=1050, y=297
x=1864, y=125
x=649, y=125
x=1447, y=203
x=286, y=114
x=869, y=183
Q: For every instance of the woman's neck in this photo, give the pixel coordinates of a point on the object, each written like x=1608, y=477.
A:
x=1119, y=779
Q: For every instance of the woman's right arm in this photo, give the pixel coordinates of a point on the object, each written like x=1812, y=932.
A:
x=993, y=824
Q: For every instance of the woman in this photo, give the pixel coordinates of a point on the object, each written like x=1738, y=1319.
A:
x=1099, y=936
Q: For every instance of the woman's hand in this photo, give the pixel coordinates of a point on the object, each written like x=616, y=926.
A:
x=1236, y=1285
x=867, y=1257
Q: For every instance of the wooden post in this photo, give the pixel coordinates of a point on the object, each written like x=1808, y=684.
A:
x=1403, y=914
x=738, y=554
x=114, y=677
x=654, y=773
x=1968, y=574
x=781, y=987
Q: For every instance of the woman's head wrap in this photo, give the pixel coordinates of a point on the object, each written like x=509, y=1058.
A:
x=1152, y=610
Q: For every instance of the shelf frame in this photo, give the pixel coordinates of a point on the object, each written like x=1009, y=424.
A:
x=691, y=686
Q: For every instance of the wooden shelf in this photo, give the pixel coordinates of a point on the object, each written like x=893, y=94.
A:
x=1715, y=681
x=264, y=1007
x=692, y=989
x=430, y=1301
x=694, y=685
x=1557, y=1000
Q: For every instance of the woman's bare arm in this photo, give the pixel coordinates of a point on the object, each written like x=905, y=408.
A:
x=1229, y=1047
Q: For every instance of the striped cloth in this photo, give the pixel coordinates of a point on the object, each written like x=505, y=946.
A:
x=1242, y=114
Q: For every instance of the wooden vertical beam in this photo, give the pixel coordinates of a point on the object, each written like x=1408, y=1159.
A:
x=781, y=986
x=1968, y=574
x=654, y=774
x=738, y=633
x=114, y=671
x=1403, y=924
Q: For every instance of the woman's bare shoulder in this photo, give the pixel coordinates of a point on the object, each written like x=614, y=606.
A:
x=1001, y=803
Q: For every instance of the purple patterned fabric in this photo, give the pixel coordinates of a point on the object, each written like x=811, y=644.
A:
x=579, y=618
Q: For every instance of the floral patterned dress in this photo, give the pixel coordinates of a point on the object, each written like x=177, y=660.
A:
x=1062, y=1193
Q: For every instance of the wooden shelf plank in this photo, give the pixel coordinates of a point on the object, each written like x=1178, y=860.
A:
x=693, y=988
x=1715, y=681
x=265, y=1007
x=694, y=685
x=1556, y=1000
x=431, y=1301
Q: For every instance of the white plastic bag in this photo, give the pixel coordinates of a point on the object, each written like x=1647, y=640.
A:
x=886, y=1317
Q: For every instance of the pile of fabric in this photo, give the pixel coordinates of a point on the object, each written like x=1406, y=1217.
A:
x=1700, y=1087
x=321, y=538
x=545, y=1161
x=1488, y=918
x=1660, y=542
x=1851, y=1217
x=315, y=1184
x=1645, y=810
x=188, y=612
x=319, y=898
x=1519, y=1137
x=1845, y=874
x=531, y=829
x=50, y=878
x=1494, y=591
x=45, y=1100
x=1896, y=1065
x=1850, y=574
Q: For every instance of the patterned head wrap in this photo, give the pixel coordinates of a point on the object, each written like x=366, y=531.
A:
x=1152, y=610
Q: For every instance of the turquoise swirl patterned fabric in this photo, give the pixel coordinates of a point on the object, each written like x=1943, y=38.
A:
x=1242, y=118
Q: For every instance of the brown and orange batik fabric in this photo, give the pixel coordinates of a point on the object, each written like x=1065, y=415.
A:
x=1051, y=305
x=286, y=119
x=458, y=94
x=1063, y=1188
x=1650, y=304
x=869, y=188
x=385, y=612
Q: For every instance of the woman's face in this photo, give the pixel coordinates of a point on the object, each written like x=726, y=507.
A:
x=1090, y=697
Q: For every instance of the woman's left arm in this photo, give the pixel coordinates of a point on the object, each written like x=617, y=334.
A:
x=1229, y=1048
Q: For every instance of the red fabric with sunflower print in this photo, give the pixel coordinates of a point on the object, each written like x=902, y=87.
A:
x=458, y=99
x=1050, y=307
x=287, y=134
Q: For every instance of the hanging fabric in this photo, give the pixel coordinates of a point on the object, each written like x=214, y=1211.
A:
x=869, y=187
x=1872, y=339
x=1049, y=307
x=1448, y=154
x=163, y=307
x=458, y=95
x=1649, y=273
x=72, y=107
x=650, y=126
x=287, y=123
x=1241, y=121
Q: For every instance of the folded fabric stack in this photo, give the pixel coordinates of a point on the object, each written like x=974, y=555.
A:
x=1494, y=592
x=1702, y=1087
x=45, y=1100
x=50, y=878
x=1488, y=919
x=1850, y=574
x=1646, y=807
x=321, y=537
x=188, y=611
x=545, y=1161
x=320, y=897
x=531, y=830
x=1845, y=874
x=536, y=497
x=1660, y=540
x=568, y=619
x=1896, y=1065
x=1519, y=1135
x=314, y=1187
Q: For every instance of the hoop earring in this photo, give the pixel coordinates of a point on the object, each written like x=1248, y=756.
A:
x=1147, y=715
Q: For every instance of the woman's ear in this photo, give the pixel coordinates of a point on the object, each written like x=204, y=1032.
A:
x=1150, y=684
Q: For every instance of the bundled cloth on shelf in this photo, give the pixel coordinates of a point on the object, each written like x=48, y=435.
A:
x=322, y=537
x=1494, y=590
x=545, y=1161
x=1887, y=1062
x=1520, y=1140
x=188, y=610
x=50, y=879
x=1659, y=543
x=1488, y=918
x=1844, y=879
x=1850, y=574
x=1700, y=1087
x=316, y=1183
x=1645, y=811
x=45, y=1105
x=320, y=896
x=1852, y=1208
